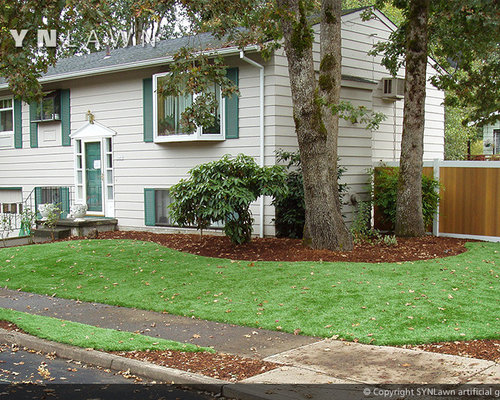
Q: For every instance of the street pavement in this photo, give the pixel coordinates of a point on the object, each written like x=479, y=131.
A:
x=31, y=374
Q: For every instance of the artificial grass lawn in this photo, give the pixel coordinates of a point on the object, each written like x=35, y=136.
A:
x=88, y=336
x=454, y=298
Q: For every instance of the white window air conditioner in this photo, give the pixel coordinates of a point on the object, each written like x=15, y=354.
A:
x=393, y=88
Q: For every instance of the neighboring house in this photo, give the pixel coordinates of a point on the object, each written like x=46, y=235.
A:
x=491, y=139
x=123, y=165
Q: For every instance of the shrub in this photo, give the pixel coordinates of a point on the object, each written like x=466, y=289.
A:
x=385, y=194
x=222, y=190
x=361, y=228
x=363, y=232
x=290, y=206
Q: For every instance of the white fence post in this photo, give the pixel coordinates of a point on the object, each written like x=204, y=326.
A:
x=435, y=223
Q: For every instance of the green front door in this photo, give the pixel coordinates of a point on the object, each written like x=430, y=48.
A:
x=93, y=176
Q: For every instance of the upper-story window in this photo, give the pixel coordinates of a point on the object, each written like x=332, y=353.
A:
x=168, y=110
x=6, y=116
x=49, y=109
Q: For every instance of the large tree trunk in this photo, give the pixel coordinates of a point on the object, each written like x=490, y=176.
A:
x=409, y=217
x=316, y=126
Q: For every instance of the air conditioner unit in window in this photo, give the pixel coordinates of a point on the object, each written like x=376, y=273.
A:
x=393, y=88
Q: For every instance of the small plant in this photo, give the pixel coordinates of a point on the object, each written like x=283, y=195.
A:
x=6, y=227
x=28, y=217
x=223, y=191
x=52, y=216
x=390, y=240
x=361, y=228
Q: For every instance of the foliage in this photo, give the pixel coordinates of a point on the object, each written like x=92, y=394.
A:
x=468, y=64
x=385, y=193
x=6, y=226
x=340, y=298
x=53, y=215
x=361, y=228
x=390, y=240
x=28, y=217
x=290, y=205
x=222, y=190
x=88, y=336
x=82, y=26
x=392, y=12
x=358, y=114
x=458, y=134
x=23, y=65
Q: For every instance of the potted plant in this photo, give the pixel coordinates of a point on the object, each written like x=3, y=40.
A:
x=78, y=211
x=46, y=210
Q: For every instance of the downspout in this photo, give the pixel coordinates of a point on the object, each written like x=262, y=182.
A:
x=261, y=130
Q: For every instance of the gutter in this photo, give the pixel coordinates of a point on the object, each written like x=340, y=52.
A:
x=261, y=130
x=129, y=66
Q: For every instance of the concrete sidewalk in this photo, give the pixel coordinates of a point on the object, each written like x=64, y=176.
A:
x=305, y=360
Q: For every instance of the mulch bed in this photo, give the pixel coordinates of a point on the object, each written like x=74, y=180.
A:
x=282, y=249
x=223, y=366
x=484, y=349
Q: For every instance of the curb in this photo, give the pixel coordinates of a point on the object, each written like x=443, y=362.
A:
x=114, y=362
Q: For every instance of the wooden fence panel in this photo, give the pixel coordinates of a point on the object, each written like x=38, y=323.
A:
x=469, y=201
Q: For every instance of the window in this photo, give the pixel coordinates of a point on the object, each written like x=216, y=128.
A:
x=162, y=201
x=167, y=111
x=157, y=211
x=6, y=116
x=496, y=141
x=49, y=109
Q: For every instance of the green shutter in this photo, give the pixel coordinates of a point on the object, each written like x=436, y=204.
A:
x=18, y=124
x=147, y=108
x=38, y=200
x=33, y=125
x=65, y=117
x=232, y=107
x=149, y=207
x=64, y=197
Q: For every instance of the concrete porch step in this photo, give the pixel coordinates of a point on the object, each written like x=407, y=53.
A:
x=89, y=226
x=46, y=233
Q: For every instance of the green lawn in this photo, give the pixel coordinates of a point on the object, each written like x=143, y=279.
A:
x=454, y=298
x=88, y=336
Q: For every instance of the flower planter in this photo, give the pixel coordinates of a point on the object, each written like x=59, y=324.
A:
x=78, y=211
x=46, y=209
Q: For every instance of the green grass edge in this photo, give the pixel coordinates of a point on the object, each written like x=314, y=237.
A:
x=88, y=336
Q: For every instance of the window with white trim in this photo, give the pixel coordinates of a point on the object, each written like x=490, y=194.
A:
x=496, y=141
x=6, y=123
x=167, y=115
x=162, y=201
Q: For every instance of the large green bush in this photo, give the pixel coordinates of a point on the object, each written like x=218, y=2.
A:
x=222, y=190
x=385, y=194
x=289, y=205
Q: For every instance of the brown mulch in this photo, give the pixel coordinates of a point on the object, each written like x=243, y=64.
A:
x=484, y=349
x=283, y=249
x=9, y=326
x=223, y=366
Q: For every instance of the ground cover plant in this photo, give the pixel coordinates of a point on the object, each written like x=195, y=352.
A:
x=88, y=336
x=445, y=299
